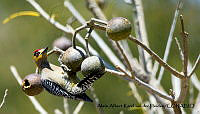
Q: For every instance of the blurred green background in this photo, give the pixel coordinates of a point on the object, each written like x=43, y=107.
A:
x=22, y=35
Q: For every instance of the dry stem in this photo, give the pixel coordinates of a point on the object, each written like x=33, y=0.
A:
x=4, y=97
x=36, y=104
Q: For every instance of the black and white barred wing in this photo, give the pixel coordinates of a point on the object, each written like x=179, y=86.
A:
x=57, y=90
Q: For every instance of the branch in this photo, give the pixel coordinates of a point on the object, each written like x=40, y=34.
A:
x=185, y=46
x=66, y=106
x=57, y=111
x=169, y=42
x=36, y=104
x=157, y=58
x=124, y=75
x=68, y=29
x=78, y=107
x=195, y=66
x=184, y=82
x=4, y=97
x=96, y=11
x=179, y=48
x=195, y=81
x=141, y=33
x=96, y=37
x=124, y=56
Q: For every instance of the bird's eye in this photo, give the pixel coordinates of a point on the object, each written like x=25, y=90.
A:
x=36, y=54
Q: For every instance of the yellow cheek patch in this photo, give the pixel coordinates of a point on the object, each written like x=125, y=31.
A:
x=37, y=58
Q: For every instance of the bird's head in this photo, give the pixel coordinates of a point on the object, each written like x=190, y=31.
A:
x=40, y=55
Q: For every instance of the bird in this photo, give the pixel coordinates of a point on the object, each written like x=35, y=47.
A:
x=57, y=81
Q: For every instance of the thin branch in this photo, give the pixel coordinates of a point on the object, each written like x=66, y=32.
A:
x=4, y=98
x=141, y=33
x=86, y=41
x=179, y=48
x=98, y=13
x=36, y=104
x=78, y=107
x=176, y=85
x=57, y=111
x=124, y=56
x=76, y=32
x=184, y=82
x=170, y=38
x=185, y=46
x=94, y=8
x=96, y=37
x=195, y=66
x=157, y=58
x=195, y=81
x=124, y=75
x=68, y=29
x=66, y=106
x=135, y=92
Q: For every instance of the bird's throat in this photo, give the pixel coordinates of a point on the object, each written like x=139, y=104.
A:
x=43, y=64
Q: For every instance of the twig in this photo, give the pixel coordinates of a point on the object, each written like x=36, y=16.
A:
x=94, y=8
x=135, y=92
x=141, y=33
x=36, y=104
x=195, y=66
x=179, y=48
x=98, y=11
x=71, y=20
x=86, y=41
x=195, y=81
x=176, y=85
x=123, y=74
x=57, y=111
x=124, y=56
x=66, y=106
x=185, y=46
x=96, y=37
x=78, y=107
x=170, y=39
x=96, y=101
x=164, y=102
x=68, y=29
x=76, y=32
x=157, y=58
x=4, y=97
x=185, y=81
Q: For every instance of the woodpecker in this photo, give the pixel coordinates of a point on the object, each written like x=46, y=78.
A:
x=58, y=82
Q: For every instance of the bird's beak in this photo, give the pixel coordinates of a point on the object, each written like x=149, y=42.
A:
x=45, y=50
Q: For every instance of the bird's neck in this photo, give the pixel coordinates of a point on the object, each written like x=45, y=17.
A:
x=43, y=64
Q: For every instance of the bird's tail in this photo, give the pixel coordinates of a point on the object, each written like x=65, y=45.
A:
x=84, y=97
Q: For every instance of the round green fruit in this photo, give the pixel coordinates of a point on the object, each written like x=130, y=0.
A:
x=31, y=84
x=73, y=58
x=92, y=65
x=118, y=28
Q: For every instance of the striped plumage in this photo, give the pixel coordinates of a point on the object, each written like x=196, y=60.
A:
x=56, y=81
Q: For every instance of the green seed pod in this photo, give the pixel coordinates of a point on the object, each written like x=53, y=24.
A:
x=118, y=28
x=31, y=84
x=92, y=65
x=73, y=58
x=62, y=43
